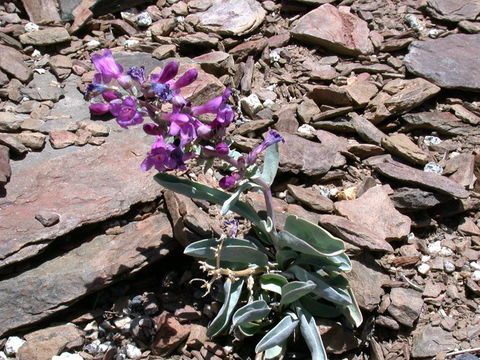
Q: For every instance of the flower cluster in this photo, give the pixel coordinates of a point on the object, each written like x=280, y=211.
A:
x=180, y=135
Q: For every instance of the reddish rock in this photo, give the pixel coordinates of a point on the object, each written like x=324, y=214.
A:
x=241, y=51
x=45, y=37
x=46, y=343
x=12, y=63
x=5, y=170
x=460, y=169
x=375, y=210
x=311, y=198
x=170, y=334
x=84, y=186
x=198, y=336
x=406, y=305
x=62, y=138
x=42, y=11
x=334, y=29
x=401, y=146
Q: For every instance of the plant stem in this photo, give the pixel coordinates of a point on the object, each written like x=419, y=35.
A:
x=267, y=193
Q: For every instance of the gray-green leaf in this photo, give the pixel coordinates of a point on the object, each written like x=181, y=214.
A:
x=278, y=334
x=232, y=200
x=270, y=164
x=232, y=291
x=273, y=282
x=254, y=311
x=295, y=290
x=310, y=334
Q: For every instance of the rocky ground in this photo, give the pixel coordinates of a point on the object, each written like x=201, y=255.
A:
x=378, y=102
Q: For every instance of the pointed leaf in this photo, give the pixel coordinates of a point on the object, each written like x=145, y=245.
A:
x=278, y=334
x=276, y=351
x=232, y=200
x=254, y=311
x=352, y=312
x=249, y=329
x=273, y=282
x=310, y=334
x=295, y=290
x=316, y=237
x=232, y=291
x=323, y=289
x=270, y=164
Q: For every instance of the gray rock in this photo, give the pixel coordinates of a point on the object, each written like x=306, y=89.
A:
x=12, y=63
x=5, y=170
x=334, y=29
x=47, y=218
x=409, y=175
x=70, y=109
x=311, y=198
x=366, y=130
x=448, y=62
x=454, y=11
x=415, y=199
x=45, y=37
x=52, y=286
x=114, y=169
x=232, y=17
x=293, y=157
x=429, y=341
x=10, y=122
x=43, y=87
x=32, y=140
x=406, y=305
x=443, y=122
x=12, y=142
x=366, y=280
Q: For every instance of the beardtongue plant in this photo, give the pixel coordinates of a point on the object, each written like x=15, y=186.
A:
x=275, y=282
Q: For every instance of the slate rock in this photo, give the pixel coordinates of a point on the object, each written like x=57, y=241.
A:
x=353, y=233
x=45, y=37
x=375, y=210
x=311, y=198
x=401, y=146
x=232, y=17
x=465, y=114
x=5, y=170
x=460, y=169
x=405, y=306
x=334, y=29
x=55, y=284
x=448, y=62
x=170, y=334
x=217, y=63
x=69, y=110
x=113, y=168
x=409, y=175
x=42, y=11
x=366, y=130
x=60, y=139
x=366, y=280
x=443, y=122
x=61, y=66
x=12, y=142
x=298, y=155
x=399, y=96
x=43, y=87
x=337, y=338
x=45, y=343
x=431, y=340
x=12, y=63
x=47, y=218
x=10, y=122
x=454, y=11
x=407, y=198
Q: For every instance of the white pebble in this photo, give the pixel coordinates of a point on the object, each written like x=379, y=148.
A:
x=251, y=104
x=434, y=248
x=475, y=265
x=103, y=348
x=476, y=275
x=268, y=103
x=274, y=56
x=123, y=323
x=448, y=267
x=143, y=19
x=67, y=356
x=3, y=356
x=425, y=258
x=92, y=44
x=36, y=54
x=432, y=140
x=30, y=27
x=433, y=167
x=133, y=352
x=12, y=345
x=445, y=251
x=424, y=268
x=130, y=43
x=306, y=130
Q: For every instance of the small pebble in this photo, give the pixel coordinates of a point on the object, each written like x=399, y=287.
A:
x=67, y=356
x=30, y=27
x=475, y=265
x=448, y=267
x=432, y=140
x=133, y=352
x=143, y=19
x=476, y=275
x=433, y=167
x=47, y=218
x=424, y=268
x=3, y=356
x=434, y=248
x=12, y=345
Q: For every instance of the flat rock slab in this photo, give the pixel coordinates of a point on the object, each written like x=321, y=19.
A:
x=443, y=122
x=454, y=11
x=298, y=155
x=450, y=62
x=12, y=63
x=232, y=17
x=432, y=340
x=45, y=37
x=335, y=30
x=406, y=305
x=42, y=291
x=82, y=185
x=375, y=211
x=409, y=175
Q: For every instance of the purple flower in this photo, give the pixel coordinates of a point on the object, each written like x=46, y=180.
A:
x=228, y=182
x=137, y=74
x=106, y=66
x=164, y=157
x=153, y=129
x=94, y=89
x=110, y=95
x=99, y=109
x=186, y=79
x=219, y=106
x=222, y=149
x=184, y=126
x=213, y=106
x=126, y=112
x=162, y=91
x=167, y=74
x=271, y=138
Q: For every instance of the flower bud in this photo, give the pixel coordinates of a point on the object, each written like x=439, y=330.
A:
x=99, y=109
x=222, y=149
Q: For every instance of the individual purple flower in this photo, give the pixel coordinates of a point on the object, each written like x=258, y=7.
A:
x=106, y=66
x=167, y=74
x=228, y=182
x=186, y=79
x=184, y=126
x=162, y=92
x=95, y=88
x=137, y=74
x=222, y=149
x=213, y=106
x=219, y=106
x=99, y=109
x=271, y=138
x=153, y=129
x=126, y=112
x=164, y=157
x=110, y=95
